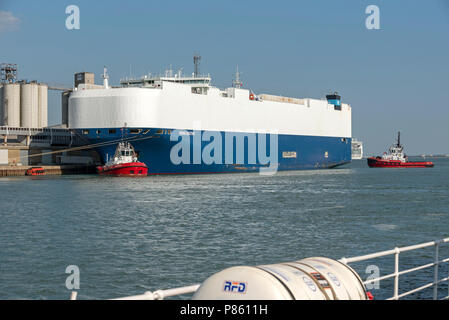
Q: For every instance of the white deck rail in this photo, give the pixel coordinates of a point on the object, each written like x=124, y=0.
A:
x=397, y=273
x=161, y=294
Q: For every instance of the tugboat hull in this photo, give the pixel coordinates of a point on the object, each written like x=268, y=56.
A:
x=382, y=163
x=132, y=169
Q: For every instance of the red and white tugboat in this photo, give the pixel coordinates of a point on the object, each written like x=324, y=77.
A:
x=395, y=158
x=124, y=163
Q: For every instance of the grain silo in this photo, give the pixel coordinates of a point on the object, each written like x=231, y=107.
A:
x=11, y=104
x=42, y=105
x=29, y=114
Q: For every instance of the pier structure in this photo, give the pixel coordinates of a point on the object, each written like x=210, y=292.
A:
x=43, y=146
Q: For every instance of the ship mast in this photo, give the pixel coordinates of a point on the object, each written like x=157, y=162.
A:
x=196, y=62
x=105, y=78
x=399, y=139
x=237, y=83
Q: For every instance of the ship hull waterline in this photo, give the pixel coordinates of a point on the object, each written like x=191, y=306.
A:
x=154, y=148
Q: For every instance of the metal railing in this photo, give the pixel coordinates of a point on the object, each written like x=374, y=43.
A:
x=161, y=294
x=155, y=295
x=397, y=272
x=31, y=131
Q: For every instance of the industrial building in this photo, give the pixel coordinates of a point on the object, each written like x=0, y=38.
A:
x=22, y=103
x=83, y=81
x=25, y=138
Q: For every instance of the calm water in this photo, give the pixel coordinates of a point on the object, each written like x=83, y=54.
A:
x=128, y=236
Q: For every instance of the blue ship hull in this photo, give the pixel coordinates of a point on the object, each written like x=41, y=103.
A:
x=154, y=147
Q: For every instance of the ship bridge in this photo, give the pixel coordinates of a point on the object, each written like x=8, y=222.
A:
x=199, y=84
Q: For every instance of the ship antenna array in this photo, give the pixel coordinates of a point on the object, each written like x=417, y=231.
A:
x=237, y=83
x=196, y=63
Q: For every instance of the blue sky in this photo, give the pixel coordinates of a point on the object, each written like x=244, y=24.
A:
x=395, y=78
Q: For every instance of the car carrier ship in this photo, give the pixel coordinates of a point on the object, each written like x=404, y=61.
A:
x=183, y=124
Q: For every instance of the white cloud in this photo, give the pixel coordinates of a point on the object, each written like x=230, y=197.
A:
x=8, y=22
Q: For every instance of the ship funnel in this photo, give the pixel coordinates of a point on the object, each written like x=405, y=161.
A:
x=334, y=99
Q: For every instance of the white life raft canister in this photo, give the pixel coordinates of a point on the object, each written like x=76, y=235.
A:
x=308, y=279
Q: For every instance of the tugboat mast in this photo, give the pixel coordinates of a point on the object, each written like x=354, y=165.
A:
x=399, y=139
